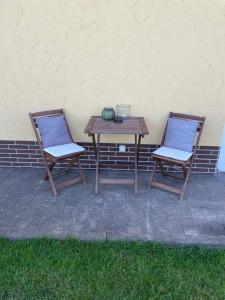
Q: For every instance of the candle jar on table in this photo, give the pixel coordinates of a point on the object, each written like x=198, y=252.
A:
x=108, y=113
x=123, y=110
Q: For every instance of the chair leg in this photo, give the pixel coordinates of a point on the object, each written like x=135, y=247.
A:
x=185, y=183
x=184, y=171
x=49, y=175
x=55, y=193
x=50, y=169
x=152, y=175
x=164, y=173
x=68, y=168
x=81, y=171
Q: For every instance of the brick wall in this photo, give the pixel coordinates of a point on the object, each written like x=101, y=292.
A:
x=27, y=154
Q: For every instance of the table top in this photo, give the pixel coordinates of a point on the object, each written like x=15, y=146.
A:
x=132, y=125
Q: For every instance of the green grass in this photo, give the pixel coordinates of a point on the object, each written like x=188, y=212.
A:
x=69, y=269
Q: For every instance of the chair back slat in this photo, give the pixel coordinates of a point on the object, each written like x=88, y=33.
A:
x=48, y=113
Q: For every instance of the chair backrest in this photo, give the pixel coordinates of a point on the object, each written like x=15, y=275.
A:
x=51, y=128
x=195, y=128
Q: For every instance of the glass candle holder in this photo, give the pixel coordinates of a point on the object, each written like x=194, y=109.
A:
x=108, y=113
x=123, y=111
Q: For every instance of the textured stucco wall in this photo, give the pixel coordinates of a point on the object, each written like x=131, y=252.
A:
x=85, y=54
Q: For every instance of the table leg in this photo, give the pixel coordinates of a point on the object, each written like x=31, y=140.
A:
x=97, y=164
x=94, y=145
x=135, y=166
x=137, y=149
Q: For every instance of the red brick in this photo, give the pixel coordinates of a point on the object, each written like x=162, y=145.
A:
x=33, y=156
x=25, y=151
x=18, y=146
x=5, y=164
x=7, y=142
x=110, y=153
x=113, y=149
x=29, y=160
x=7, y=151
x=118, y=158
x=204, y=161
x=4, y=155
x=4, y=146
x=11, y=159
x=25, y=142
x=18, y=164
x=33, y=147
x=207, y=156
x=216, y=152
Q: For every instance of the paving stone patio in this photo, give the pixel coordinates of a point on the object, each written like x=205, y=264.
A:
x=28, y=209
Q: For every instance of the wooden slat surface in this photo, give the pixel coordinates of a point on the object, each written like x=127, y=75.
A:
x=116, y=181
x=133, y=125
x=166, y=187
x=68, y=182
x=47, y=113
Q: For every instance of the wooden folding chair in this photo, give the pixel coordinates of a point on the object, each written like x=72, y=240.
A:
x=56, y=145
x=169, y=156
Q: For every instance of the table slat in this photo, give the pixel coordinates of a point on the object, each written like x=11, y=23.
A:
x=132, y=125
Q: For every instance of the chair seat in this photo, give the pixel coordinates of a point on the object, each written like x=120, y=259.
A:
x=172, y=153
x=63, y=150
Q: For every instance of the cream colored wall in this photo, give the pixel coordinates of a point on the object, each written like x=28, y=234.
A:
x=83, y=55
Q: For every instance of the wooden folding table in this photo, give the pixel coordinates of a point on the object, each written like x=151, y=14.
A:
x=134, y=125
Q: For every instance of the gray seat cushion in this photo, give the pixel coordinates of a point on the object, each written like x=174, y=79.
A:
x=53, y=131
x=180, y=134
x=173, y=153
x=62, y=150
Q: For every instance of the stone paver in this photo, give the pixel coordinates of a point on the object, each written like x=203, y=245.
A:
x=28, y=209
